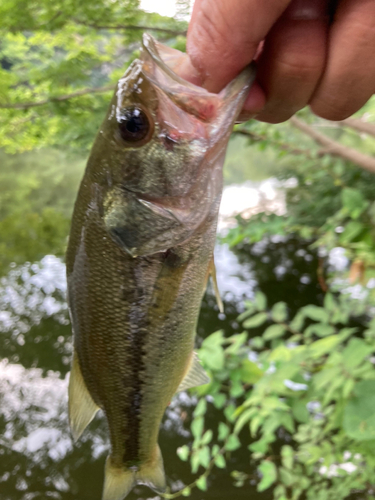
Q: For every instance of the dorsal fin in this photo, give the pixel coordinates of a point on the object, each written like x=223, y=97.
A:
x=195, y=375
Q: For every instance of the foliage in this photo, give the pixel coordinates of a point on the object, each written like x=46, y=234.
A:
x=36, y=200
x=303, y=392
x=328, y=200
x=50, y=50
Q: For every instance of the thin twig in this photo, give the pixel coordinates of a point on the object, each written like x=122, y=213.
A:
x=78, y=93
x=334, y=148
x=359, y=125
x=170, y=496
x=281, y=145
x=133, y=27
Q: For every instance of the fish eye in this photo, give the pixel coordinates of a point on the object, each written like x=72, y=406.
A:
x=134, y=124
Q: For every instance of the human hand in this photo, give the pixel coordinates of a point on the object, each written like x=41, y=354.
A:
x=314, y=53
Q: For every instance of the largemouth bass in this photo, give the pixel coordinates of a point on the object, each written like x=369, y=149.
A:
x=139, y=255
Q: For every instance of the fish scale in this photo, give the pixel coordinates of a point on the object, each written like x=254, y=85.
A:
x=139, y=254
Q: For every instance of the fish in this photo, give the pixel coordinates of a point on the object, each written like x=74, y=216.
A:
x=139, y=255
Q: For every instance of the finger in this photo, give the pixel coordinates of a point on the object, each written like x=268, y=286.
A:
x=293, y=59
x=223, y=36
x=254, y=103
x=349, y=78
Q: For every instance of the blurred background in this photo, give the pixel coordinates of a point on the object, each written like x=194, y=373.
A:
x=290, y=411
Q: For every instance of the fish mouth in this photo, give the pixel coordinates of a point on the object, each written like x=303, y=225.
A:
x=183, y=110
x=160, y=66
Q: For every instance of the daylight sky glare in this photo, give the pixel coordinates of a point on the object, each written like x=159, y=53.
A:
x=162, y=7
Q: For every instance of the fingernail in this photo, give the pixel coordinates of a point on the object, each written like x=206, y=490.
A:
x=307, y=10
x=245, y=116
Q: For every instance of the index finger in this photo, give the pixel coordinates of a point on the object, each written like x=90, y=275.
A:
x=223, y=36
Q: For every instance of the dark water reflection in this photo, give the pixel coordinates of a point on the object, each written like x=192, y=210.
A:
x=37, y=457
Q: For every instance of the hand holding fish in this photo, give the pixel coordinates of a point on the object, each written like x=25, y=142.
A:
x=314, y=52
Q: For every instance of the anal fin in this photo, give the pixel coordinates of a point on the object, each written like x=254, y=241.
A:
x=195, y=375
x=82, y=408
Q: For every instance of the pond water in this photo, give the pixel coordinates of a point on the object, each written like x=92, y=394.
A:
x=38, y=459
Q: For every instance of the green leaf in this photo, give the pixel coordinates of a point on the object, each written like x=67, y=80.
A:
x=323, y=346
x=322, y=329
x=201, y=408
x=219, y=400
x=274, y=332
x=195, y=462
x=220, y=462
x=269, y=475
x=236, y=389
x=359, y=413
x=258, y=342
x=250, y=372
x=186, y=492
x=354, y=202
x=214, y=340
x=256, y=320
x=213, y=357
x=202, y=483
x=250, y=310
x=280, y=492
x=329, y=302
x=233, y=443
x=351, y=231
x=287, y=456
x=237, y=342
x=355, y=352
x=207, y=437
x=300, y=411
x=229, y=412
x=298, y=321
x=315, y=313
x=260, y=301
x=197, y=427
x=260, y=446
x=183, y=452
x=223, y=431
x=204, y=456
x=243, y=419
x=286, y=477
x=279, y=312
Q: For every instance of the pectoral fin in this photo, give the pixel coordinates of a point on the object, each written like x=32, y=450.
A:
x=82, y=408
x=212, y=271
x=195, y=375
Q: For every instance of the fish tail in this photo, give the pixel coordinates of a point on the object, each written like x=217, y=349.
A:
x=119, y=481
x=152, y=473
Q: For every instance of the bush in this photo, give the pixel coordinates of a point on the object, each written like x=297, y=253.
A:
x=304, y=389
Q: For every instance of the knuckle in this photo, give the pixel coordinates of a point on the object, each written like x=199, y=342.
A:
x=303, y=70
x=331, y=109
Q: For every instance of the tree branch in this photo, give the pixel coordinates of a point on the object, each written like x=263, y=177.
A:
x=26, y=105
x=359, y=125
x=133, y=27
x=335, y=148
x=281, y=145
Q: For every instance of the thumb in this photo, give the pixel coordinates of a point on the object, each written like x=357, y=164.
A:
x=224, y=35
